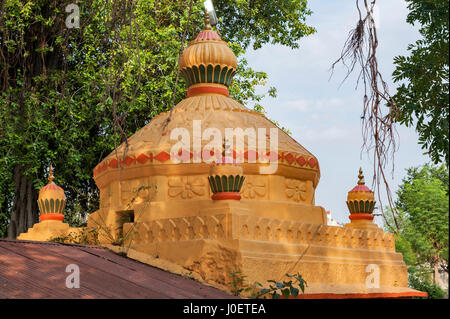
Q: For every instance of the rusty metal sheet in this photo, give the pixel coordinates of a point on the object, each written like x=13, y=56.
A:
x=30, y=269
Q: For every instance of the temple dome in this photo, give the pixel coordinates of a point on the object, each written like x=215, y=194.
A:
x=360, y=191
x=207, y=65
x=152, y=144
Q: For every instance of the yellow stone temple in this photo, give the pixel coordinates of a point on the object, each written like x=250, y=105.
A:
x=212, y=218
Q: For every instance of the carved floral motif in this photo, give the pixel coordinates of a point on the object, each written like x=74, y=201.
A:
x=296, y=190
x=186, y=187
x=253, y=187
x=136, y=191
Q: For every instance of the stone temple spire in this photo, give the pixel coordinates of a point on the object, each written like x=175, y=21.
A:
x=207, y=22
x=50, y=174
x=361, y=177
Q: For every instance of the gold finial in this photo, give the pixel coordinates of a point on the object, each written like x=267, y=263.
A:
x=207, y=22
x=224, y=147
x=361, y=177
x=50, y=174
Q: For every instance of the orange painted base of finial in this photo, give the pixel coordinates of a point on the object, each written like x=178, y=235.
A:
x=207, y=89
x=226, y=195
x=51, y=216
x=361, y=216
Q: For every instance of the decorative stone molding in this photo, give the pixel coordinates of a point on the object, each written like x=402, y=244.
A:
x=227, y=226
x=180, y=229
x=163, y=157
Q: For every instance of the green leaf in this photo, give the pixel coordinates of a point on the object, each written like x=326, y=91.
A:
x=280, y=285
x=286, y=293
x=294, y=291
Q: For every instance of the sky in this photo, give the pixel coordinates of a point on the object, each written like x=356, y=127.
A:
x=322, y=113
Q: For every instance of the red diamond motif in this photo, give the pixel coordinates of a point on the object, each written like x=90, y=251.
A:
x=312, y=162
x=142, y=158
x=184, y=155
x=290, y=158
x=252, y=155
x=301, y=160
x=129, y=160
x=272, y=156
x=113, y=163
x=163, y=156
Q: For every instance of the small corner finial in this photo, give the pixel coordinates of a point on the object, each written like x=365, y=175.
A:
x=207, y=22
x=361, y=177
x=50, y=174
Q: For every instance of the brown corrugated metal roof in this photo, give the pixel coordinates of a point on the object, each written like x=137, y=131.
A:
x=30, y=269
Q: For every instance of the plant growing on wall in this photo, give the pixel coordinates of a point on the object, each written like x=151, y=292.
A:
x=285, y=289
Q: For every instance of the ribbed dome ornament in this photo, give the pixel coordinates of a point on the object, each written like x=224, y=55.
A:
x=360, y=200
x=208, y=64
x=51, y=200
x=226, y=177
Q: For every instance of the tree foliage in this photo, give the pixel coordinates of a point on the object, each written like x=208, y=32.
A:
x=422, y=238
x=423, y=77
x=69, y=96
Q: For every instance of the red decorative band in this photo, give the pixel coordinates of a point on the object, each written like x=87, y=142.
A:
x=208, y=35
x=226, y=195
x=51, y=216
x=361, y=216
x=207, y=89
